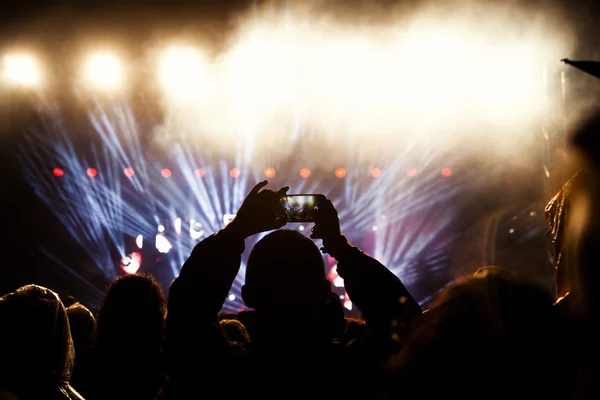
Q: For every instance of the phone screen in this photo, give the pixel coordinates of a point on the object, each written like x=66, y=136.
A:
x=299, y=207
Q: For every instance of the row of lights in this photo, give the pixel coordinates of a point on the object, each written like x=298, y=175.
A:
x=235, y=172
x=178, y=67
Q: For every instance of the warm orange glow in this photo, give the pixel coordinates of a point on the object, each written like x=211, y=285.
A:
x=235, y=172
x=375, y=172
x=200, y=172
x=166, y=172
x=270, y=172
x=340, y=172
x=129, y=172
x=446, y=172
x=305, y=173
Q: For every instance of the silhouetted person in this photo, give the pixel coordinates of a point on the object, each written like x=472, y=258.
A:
x=582, y=304
x=83, y=328
x=235, y=331
x=127, y=361
x=354, y=328
x=293, y=352
x=491, y=335
x=36, y=350
x=83, y=332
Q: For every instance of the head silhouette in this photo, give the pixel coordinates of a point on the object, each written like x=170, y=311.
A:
x=35, y=343
x=83, y=327
x=494, y=326
x=132, y=314
x=286, y=273
x=493, y=272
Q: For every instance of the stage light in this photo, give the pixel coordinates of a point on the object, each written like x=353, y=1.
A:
x=166, y=172
x=129, y=172
x=200, y=172
x=270, y=172
x=446, y=172
x=162, y=244
x=340, y=172
x=511, y=230
x=182, y=71
x=131, y=263
x=334, y=277
x=532, y=214
x=58, y=172
x=232, y=297
x=305, y=173
x=411, y=172
x=139, y=241
x=234, y=172
x=227, y=219
x=348, y=304
x=21, y=70
x=92, y=172
x=374, y=228
x=161, y=228
x=375, y=172
x=301, y=228
x=104, y=71
x=196, y=230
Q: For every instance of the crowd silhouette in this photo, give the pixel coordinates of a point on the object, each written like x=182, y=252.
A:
x=490, y=335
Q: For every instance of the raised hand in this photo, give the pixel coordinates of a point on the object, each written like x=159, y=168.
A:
x=327, y=222
x=258, y=211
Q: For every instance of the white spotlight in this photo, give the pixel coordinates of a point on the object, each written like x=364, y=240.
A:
x=21, y=70
x=104, y=70
x=182, y=71
x=232, y=297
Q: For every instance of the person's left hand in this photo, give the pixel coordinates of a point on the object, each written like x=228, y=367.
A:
x=257, y=212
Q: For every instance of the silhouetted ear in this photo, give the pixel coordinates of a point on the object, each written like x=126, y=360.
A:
x=248, y=296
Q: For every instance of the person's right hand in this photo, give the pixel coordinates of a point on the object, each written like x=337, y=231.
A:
x=327, y=222
x=258, y=211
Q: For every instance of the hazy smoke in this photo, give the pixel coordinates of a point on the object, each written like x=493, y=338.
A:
x=464, y=80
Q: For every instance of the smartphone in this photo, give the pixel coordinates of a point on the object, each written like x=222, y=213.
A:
x=299, y=207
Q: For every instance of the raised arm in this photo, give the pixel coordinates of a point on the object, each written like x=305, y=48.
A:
x=206, y=277
x=376, y=291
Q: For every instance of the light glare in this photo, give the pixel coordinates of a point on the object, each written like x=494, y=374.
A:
x=104, y=70
x=21, y=70
x=182, y=71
